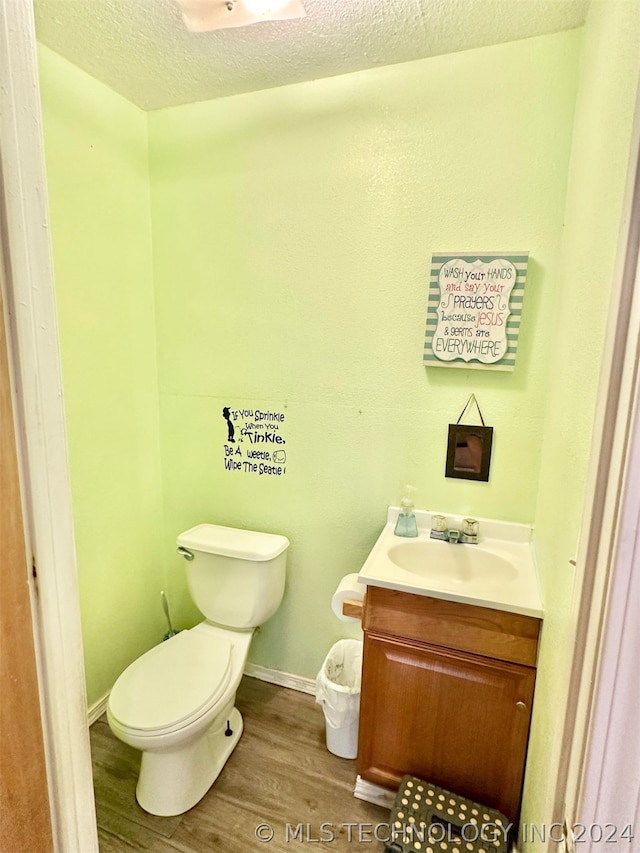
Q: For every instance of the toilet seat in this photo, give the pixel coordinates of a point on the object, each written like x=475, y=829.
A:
x=173, y=684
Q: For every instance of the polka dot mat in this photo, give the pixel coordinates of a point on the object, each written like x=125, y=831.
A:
x=443, y=822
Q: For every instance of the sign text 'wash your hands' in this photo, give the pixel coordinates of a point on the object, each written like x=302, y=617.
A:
x=474, y=310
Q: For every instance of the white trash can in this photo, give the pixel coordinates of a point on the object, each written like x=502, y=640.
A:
x=338, y=691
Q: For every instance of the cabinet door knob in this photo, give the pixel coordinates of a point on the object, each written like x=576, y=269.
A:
x=520, y=705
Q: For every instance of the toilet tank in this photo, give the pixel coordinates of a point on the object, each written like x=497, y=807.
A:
x=235, y=577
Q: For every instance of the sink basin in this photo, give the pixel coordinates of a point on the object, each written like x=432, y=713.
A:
x=457, y=564
x=499, y=572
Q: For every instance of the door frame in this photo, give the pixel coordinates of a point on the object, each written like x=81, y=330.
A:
x=598, y=711
x=34, y=356
x=25, y=823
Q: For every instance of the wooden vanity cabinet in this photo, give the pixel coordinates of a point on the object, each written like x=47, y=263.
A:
x=447, y=690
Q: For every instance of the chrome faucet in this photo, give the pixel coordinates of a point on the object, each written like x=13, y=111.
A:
x=467, y=536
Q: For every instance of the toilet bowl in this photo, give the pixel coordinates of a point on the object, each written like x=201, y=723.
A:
x=176, y=703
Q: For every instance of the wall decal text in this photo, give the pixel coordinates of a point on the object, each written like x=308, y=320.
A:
x=255, y=443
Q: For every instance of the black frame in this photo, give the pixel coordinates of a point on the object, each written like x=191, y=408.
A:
x=458, y=439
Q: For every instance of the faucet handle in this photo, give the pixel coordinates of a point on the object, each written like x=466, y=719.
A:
x=439, y=527
x=470, y=527
x=439, y=523
x=470, y=530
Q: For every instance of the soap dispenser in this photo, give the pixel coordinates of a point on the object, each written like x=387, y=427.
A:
x=406, y=524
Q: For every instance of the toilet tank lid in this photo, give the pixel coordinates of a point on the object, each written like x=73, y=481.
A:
x=233, y=542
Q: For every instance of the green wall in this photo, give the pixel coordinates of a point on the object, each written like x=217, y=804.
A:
x=609, y=75
x=292, y=234
x=293, y=230
x=97, y=166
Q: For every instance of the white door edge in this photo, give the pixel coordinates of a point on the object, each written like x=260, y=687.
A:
x=30, y=305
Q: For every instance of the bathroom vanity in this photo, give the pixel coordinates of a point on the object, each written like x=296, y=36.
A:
x=450, y=663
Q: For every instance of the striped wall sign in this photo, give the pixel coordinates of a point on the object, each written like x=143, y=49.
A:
x=474, y=309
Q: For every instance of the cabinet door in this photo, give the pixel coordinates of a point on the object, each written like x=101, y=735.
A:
x=458, y=720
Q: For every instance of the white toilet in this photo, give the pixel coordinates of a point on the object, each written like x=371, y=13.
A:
x=176, y=702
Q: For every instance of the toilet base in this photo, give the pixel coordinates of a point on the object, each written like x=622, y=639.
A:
x=172, y=781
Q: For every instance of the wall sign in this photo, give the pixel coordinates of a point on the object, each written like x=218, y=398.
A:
x=474, y=309
x=255, y=443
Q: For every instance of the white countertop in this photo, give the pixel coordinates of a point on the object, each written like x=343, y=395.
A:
x=499, y=572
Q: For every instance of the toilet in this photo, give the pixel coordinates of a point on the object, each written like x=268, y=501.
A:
x=176, y=703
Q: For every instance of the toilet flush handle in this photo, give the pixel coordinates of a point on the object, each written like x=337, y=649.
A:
x=186, y=553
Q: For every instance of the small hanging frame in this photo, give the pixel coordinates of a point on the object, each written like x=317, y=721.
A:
x=469, y=448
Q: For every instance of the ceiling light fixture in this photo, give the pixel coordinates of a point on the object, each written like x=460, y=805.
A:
x=203, y=15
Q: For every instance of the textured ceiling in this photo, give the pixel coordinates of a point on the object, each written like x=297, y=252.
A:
x=141, y=48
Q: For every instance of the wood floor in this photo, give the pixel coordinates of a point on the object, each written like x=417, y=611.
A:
x=279, y=774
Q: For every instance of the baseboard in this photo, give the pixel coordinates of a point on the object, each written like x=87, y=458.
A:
x=97, y=709
x=282, y=679
x=371, y=793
